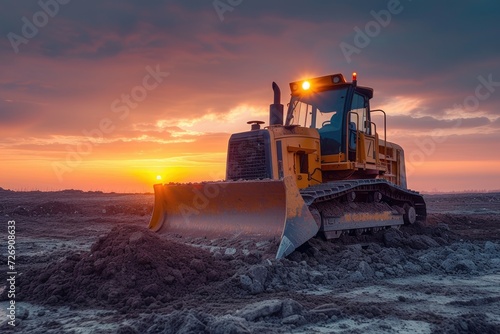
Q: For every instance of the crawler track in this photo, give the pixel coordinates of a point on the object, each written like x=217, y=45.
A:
x=362, y=205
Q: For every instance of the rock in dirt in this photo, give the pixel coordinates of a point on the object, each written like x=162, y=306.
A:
x=394, y=238
x=228, y=324
x=365, y=269
x=255, y=279
x=189, y=321
x=179, y=322
x=422, y=242
x=272, y=307
x=260, y=309
x=452, y=265
x=291, y=307
x=293, y=320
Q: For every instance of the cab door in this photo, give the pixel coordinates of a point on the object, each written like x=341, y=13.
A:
x=360, y=131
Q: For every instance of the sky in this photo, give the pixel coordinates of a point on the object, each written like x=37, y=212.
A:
x=108, y=95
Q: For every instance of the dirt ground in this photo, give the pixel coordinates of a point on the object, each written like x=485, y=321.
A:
x=85, y=263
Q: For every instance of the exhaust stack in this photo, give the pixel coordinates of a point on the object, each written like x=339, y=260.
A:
x=276, y=109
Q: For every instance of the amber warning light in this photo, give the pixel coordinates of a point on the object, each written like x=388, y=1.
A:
x=354, y=76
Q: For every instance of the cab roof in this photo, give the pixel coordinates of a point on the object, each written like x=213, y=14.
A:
x=327, y=82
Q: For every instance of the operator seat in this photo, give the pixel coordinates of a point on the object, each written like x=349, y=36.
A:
x=330, y=135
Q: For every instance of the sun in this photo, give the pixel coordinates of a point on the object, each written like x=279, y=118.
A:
x=158, y=177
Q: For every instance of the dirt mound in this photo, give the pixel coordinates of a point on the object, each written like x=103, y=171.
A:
x=131, y=209
x=130, y=268
x=52, y=208
x=470, y=227
x=43, y=209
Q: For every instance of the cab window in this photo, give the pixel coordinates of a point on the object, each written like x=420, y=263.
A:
x=359, y=107
x=318, y=109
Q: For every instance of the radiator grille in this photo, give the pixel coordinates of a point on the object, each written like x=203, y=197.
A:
x=247, y=158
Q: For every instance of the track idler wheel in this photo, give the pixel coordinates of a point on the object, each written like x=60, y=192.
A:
x=410, y=215
x=374, y=197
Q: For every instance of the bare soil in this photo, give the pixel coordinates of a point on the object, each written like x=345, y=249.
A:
x=86, y=263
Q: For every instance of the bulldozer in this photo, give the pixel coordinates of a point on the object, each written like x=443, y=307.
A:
x=321, y=169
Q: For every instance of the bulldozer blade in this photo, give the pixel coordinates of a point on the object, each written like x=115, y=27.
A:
x=257, y=209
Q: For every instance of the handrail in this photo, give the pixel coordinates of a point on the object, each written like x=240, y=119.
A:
x=347, y=136
x=385, y=134
x=374, y=127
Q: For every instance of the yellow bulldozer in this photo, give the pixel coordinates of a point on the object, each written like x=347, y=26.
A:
x=321, y=169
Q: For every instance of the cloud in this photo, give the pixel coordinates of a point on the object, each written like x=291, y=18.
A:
x=129, y=145
x=427, y=123
x=496, y=122
x=448, y=147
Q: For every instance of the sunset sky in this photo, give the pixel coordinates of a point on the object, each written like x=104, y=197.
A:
x=106, y=95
